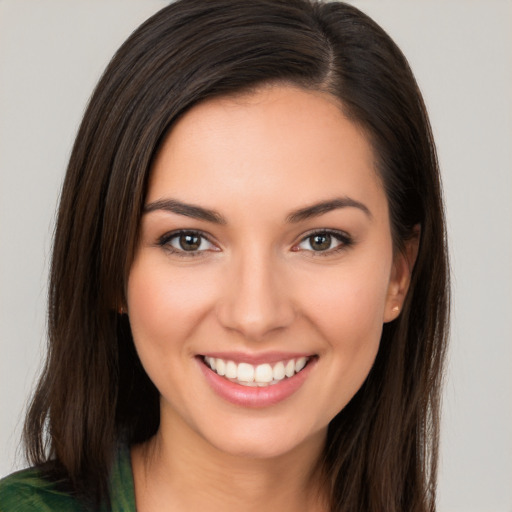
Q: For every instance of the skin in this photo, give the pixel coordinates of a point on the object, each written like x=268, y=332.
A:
x=256, y=285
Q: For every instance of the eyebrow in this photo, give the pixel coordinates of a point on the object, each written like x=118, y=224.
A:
x=308, y=212
x=317, y=209
x=188, y=210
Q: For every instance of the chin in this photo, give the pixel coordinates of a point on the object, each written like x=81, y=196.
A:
x=263, y=439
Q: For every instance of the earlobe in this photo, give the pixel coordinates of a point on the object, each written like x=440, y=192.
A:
x=403, y=265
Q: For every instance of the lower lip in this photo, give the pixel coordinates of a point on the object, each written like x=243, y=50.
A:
x=247, y=396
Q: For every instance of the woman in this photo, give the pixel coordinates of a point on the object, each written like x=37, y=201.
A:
x=248, y=296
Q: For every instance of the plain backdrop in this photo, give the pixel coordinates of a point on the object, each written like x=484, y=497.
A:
x=51, y=55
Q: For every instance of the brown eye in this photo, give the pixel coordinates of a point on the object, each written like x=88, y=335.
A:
x=189, y=242
x=328, y=242
x=321, y=242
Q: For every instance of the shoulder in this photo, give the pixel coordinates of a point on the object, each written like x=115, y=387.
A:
x=29, y=491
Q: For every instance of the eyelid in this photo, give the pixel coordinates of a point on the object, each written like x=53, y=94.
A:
x=343, y=237
x=164, y=242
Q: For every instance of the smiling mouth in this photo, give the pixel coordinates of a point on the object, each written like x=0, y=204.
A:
x=260, y=375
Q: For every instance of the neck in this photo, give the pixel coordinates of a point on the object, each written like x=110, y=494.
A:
x=182, y=471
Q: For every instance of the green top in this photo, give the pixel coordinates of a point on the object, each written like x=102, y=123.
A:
x=27, y=491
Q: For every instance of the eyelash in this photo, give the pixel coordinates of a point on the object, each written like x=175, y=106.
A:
x=345, y=240
x=166, y=239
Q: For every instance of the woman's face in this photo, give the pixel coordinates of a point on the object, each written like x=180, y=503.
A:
x=265, y=244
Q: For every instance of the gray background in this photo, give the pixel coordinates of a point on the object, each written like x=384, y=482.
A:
x=51, y=55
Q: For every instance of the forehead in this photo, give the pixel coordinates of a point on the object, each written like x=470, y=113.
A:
x=278, y=140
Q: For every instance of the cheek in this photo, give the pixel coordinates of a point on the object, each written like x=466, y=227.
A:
x=165, y=307
x=348, y=314
x=352, y=302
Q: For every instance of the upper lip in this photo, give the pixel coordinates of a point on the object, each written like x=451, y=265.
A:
x=266, y=357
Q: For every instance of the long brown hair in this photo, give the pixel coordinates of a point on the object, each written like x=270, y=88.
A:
x=381, y=450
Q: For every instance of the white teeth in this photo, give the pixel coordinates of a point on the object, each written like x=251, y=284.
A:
x=290, y=368
x=220, y=366
x=245, y=372
x=299, y=364
x=260, y=375
x=278, y=371
x=231, y=370
x=263, y=373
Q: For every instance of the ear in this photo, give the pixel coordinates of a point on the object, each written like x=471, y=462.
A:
x=403, y=264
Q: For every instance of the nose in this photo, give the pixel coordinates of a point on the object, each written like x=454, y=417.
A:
x=255, y=300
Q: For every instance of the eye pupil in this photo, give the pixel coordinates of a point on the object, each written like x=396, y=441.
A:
x=190, y=242
x=321, y=242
